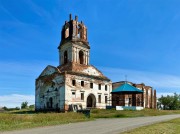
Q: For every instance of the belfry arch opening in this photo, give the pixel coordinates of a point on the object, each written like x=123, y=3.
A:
x=91, y=101
x=79, y=35
x=65, y=57
x=81, y=57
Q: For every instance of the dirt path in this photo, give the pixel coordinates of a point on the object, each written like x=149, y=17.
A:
x=100, y=126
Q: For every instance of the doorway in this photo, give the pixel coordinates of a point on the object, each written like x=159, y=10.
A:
x=91, y=101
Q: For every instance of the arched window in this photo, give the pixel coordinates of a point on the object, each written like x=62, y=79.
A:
x=81, y=57
x=65, y=57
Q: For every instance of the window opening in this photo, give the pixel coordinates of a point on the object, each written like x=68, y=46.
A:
x=82, y=83
x=91, y=85
x=105, y=87
x=73, y=82
x=105, y=99
x=81, y=57
x=82, y=96
x=99, y=86
x=99, y=98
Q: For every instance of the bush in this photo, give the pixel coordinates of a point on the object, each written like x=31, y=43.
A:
x=24, y=105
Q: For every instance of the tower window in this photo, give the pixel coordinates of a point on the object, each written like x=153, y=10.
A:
x=91, y=85
x=82, y=83
x=81, y=57
x=99, y=86
x=73, y=82
x=65, y=57
x=79, y=35
x=105, y=87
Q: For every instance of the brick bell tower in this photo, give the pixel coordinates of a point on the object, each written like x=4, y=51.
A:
x=74, y=47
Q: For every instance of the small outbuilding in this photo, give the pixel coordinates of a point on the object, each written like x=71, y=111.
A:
x=127, y=96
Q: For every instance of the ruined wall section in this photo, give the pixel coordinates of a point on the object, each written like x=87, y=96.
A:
x=50, y=90
x=74, y=91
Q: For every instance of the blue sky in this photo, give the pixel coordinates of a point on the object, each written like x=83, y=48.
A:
x=136, y=38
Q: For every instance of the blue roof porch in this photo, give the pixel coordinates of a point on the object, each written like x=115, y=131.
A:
x=127, y=96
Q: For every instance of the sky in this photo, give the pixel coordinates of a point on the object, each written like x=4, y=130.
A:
x=134, y=38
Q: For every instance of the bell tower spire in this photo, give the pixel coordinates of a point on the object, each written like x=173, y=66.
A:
x=74, y=46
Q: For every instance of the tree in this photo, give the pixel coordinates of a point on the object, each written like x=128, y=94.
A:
x=170, y=102
x=24, y=105
x=5, y=108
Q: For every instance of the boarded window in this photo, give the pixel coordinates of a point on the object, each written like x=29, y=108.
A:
x=82, y=96
x=82, y=83
x=105, y=99
x=73, y=82
x=99, y=86
x=91, y=85
x=99, y=98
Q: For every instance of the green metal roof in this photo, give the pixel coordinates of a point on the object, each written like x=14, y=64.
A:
x=126, y=88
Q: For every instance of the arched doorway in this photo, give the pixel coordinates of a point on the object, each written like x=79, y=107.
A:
x=91, y=101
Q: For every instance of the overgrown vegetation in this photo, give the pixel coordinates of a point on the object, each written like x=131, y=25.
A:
x=168, y=127
x=28, y=119
x=20, y=119
x=169, y=102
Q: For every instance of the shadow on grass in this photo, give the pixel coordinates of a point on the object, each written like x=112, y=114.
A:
x=30, y=111
x=25, y=112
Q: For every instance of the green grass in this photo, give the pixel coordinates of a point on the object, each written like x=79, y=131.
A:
x=22, y=119
x=168, y=127
x=29, y=119
x=112, y=113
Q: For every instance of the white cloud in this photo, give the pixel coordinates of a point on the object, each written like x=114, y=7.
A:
x=15, y=100
x=162, y=82
x=164, y=94
x=19, y=77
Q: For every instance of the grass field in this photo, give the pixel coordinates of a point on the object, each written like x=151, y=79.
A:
x=168, y=127
x=97, y=113
x=29, y=118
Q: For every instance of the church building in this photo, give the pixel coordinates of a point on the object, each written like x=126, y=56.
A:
x=74, y=81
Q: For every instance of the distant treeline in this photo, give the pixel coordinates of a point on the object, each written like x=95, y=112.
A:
x=24, y=105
